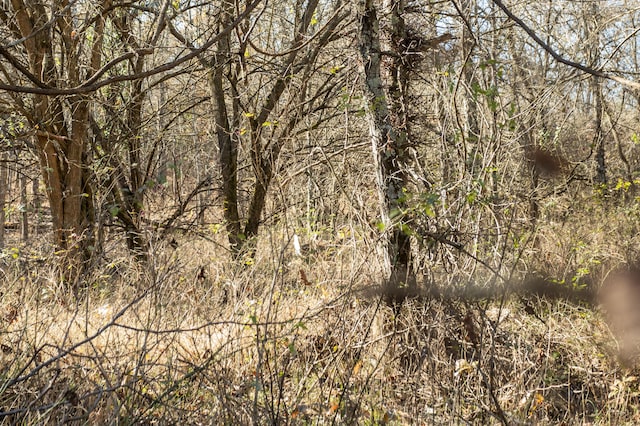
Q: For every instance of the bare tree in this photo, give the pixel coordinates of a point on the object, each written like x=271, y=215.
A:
x=53, y=47
x=67, y=60
x=592, y=33
x=385, y=84
x=248, y=110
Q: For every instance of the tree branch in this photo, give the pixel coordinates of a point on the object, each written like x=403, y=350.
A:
x=91, y=85
x=557, y=56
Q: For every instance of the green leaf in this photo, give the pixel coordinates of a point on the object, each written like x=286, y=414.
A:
x=292, y=349
x=428, y=210
x=471, y=197
x=406, y=230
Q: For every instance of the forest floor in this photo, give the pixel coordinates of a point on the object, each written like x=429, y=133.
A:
x=193, y=338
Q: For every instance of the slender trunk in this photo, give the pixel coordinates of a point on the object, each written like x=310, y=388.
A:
x=24, y=213
x=4, y=183
x=473, y=163
x=593, y=29
x=601, y=167
x=134, y=197
x=36, y=203
x=387, y=130
x=528, y=142
x=228, y=147
x=264, y=151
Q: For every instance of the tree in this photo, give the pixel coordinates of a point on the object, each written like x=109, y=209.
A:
x=249, y=111
x=385, y=84
x=67, y=62
x=53, y=47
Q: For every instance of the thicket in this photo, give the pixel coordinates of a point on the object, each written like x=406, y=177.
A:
x=319, y=212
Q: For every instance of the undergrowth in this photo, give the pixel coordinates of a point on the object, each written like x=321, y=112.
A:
x=194, y=338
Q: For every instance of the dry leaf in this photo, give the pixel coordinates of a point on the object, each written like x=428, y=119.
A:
x=303, y=278
x=357, y=367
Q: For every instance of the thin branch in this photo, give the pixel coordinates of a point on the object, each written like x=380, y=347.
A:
x=91, y=85
x=560, y=58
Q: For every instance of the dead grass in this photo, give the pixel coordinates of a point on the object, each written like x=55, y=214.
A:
x=195, y=339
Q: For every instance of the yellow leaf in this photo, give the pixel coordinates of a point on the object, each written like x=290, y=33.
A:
x=357, y=367
x=248, y=114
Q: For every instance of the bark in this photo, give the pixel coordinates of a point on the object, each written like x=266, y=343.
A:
x=121, y=142
x=133, y=193
x=227, y=141
x=24, y=214
x=385, y=82
x=36, y=203
x=65, y=175
x=599, y=142
x=61, y=125
x=4, y=184
x=593, y=35
x=264, y=150
x=263, y=162
x=473, y=128
x=131, y=182
x=529, y=143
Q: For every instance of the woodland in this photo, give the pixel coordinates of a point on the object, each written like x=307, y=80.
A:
x=310, y=212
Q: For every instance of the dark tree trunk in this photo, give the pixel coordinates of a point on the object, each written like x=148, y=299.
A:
x=227, y=141
x=264, y=150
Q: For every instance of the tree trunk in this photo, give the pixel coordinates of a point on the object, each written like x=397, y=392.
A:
x=60, y=125
x=65, y=175
x=227, y=141
x=24, y=209
x=598, y=142
x=593, y=34
x=385, y=86
x=264, y=150
x=70, y=197
x=472, y=151
x=36, y=203
x=4, y=184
